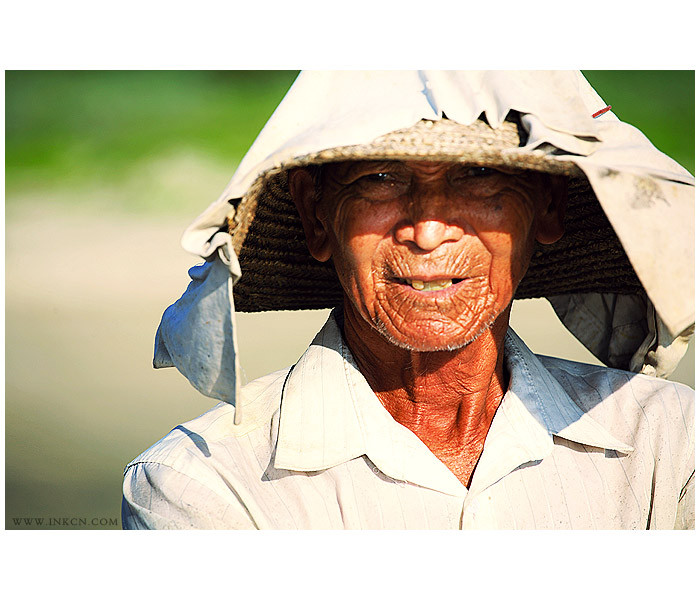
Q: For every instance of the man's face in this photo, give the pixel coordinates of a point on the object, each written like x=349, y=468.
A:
x=429, y=253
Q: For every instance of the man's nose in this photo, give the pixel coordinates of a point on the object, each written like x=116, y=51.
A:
x=429, y=223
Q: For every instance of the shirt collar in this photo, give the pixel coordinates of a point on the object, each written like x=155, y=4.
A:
x=329, y=415
x=534, y=410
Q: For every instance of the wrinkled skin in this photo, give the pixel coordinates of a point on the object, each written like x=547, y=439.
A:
x=433, y=356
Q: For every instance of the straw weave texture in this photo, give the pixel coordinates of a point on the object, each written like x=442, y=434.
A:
x=280, y=274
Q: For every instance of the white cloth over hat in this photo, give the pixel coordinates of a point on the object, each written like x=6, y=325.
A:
x=197, y=334
x=647, y=196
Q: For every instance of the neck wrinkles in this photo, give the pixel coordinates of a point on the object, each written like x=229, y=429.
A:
x=447, y=399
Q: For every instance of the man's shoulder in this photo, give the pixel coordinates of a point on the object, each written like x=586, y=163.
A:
x=600, y=376
x=608, y=394
x=196, y=439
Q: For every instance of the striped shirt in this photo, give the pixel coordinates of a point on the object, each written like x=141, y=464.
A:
x=571, y=446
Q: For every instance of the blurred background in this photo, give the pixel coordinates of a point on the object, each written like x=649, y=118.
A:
x=103, y=172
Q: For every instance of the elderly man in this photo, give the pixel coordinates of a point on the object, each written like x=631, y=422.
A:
x=428, y=201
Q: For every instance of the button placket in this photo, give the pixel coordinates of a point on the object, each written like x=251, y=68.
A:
x=470, y=507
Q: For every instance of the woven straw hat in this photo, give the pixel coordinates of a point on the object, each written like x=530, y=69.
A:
x=279, y=273
x=621, y=279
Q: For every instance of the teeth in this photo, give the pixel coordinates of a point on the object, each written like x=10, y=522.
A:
x=430, y=286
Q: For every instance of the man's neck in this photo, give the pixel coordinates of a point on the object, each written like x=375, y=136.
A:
x=447, y=398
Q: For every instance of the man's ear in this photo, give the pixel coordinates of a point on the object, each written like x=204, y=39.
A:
x=303, y=191
x=550, y=222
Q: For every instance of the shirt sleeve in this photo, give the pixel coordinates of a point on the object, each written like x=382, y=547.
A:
x=157, y=496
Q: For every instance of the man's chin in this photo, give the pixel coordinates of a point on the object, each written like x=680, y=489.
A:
x=427, y=341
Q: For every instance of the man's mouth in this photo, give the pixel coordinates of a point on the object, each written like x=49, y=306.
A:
x=430, y=286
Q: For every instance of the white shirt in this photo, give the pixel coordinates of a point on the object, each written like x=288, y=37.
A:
x=571, y=446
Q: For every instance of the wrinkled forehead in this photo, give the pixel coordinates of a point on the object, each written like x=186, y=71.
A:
x=347, y=168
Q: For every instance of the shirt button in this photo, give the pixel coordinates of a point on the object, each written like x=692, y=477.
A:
x=375, y=470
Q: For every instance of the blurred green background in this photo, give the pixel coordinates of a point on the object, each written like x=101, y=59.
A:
x=103, y=171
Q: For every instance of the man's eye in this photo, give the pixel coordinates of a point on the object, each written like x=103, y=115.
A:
x=481, y=171
x=467, y=176
x=467, y=172
x=378, y=178
x=380, y=186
